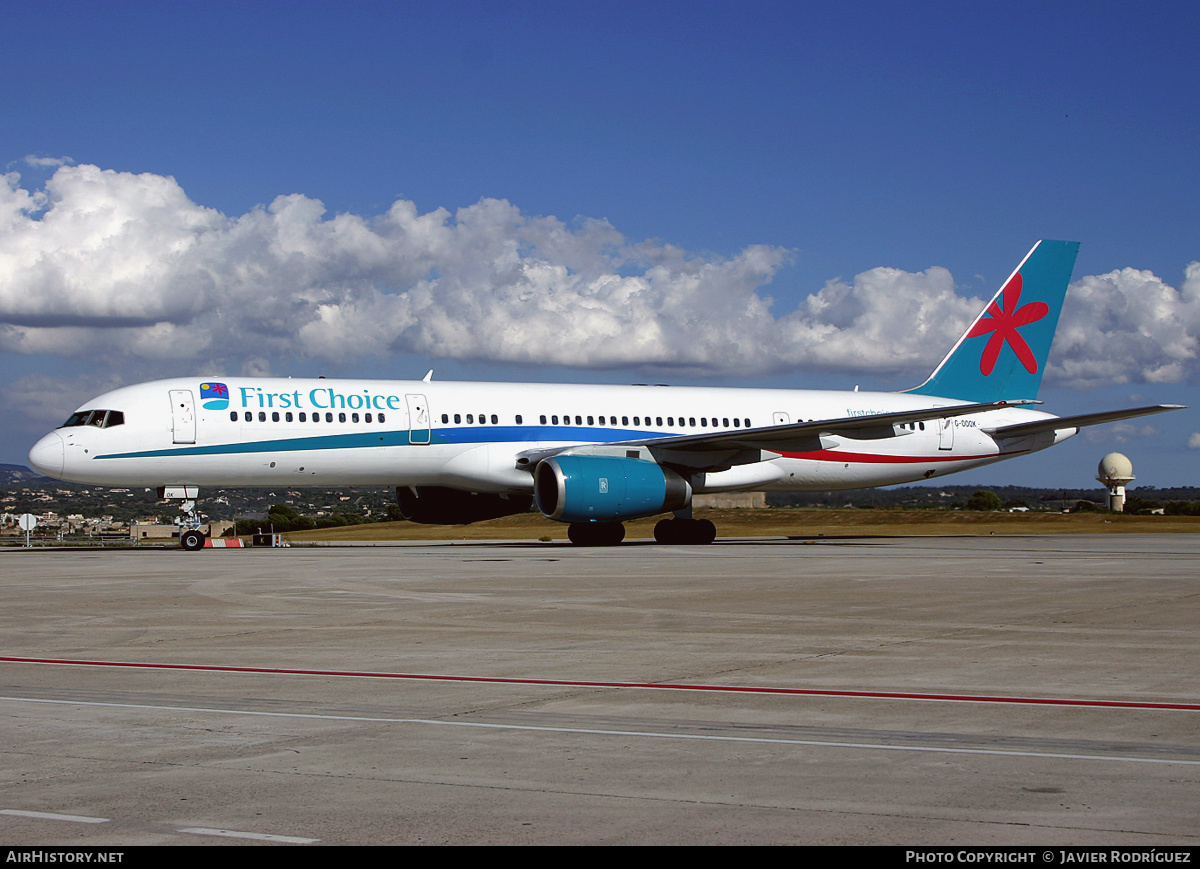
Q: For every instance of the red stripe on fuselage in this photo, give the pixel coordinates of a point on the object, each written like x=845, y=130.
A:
x=879, y=459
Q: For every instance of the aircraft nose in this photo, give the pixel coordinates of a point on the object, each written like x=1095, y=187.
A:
x=46, y=457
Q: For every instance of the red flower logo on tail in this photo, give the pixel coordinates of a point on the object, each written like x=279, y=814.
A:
x=1003, y=320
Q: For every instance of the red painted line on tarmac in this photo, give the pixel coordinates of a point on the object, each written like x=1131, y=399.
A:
x=584, y=683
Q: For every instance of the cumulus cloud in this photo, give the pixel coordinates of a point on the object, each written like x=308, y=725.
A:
x=1119, y=432
x=1194, y=441
x=44, y=162
x=126, y=266
x=41, y=399
x=1129, y=326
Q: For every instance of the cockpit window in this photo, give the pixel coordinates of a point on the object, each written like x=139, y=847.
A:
x=98, y=418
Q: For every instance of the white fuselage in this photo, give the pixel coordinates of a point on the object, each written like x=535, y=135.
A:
x=297, y=433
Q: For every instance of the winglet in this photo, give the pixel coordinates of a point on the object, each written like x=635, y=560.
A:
x=1003, y=352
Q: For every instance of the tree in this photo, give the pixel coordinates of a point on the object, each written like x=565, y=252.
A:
x=984, y=499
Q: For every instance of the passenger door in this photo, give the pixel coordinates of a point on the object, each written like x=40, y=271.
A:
x=183, y=417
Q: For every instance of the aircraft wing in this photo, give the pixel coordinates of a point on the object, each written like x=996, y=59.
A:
x=776, y=438
x=740, y=446
x=1064, y=422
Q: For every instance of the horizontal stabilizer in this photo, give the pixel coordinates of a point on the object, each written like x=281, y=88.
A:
x=1065, y=422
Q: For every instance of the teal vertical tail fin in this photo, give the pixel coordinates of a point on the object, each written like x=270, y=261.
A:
x=1002, y=355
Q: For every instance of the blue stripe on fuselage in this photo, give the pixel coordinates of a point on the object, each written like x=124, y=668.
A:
x=362, y=440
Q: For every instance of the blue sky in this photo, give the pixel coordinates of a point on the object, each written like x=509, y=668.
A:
x=732, y=193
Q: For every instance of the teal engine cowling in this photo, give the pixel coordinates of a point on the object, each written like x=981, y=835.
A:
x=606, y=489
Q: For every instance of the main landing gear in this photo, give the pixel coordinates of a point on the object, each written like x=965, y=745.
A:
x=680, y=529
x=596, y=533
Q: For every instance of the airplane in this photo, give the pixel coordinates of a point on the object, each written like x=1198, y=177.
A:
x=593, y=456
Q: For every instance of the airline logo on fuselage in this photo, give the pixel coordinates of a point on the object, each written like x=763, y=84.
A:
x=317, y=398
x=214, y=395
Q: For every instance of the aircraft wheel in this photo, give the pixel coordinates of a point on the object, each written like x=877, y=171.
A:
x=701, y=531
x=705, y=531
x=192, y=541
x=596, y=533
x=667, y=531
x=613, y=533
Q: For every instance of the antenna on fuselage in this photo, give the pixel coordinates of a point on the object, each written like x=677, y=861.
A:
x=428, y=376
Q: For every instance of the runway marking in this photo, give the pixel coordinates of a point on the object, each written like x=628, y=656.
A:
x=650, y=734
x=656, y=686
x=54, y=816
x=238, y=834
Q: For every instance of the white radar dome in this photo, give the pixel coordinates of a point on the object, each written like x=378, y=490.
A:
x=1115, y=468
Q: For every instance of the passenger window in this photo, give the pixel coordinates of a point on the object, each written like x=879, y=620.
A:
x=275, y=416
x=470, y=417
x=542, y=418
x=233, y=416
x=496, y=419
x=457, y=418
x=287, y=416
x=590, y=421
x=554, y=420
x=354, y=417
x=328, y=417
x=249, y=416
x=303, y=416
x=518, y=419
x=367, y=417
x=341, y=417
x=262, y=416
x=381, y=419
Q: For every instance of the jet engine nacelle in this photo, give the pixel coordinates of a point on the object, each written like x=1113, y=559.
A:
x=437, y=505
x=606, y=489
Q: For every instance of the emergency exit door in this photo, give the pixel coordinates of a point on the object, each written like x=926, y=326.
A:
x=418, y=419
